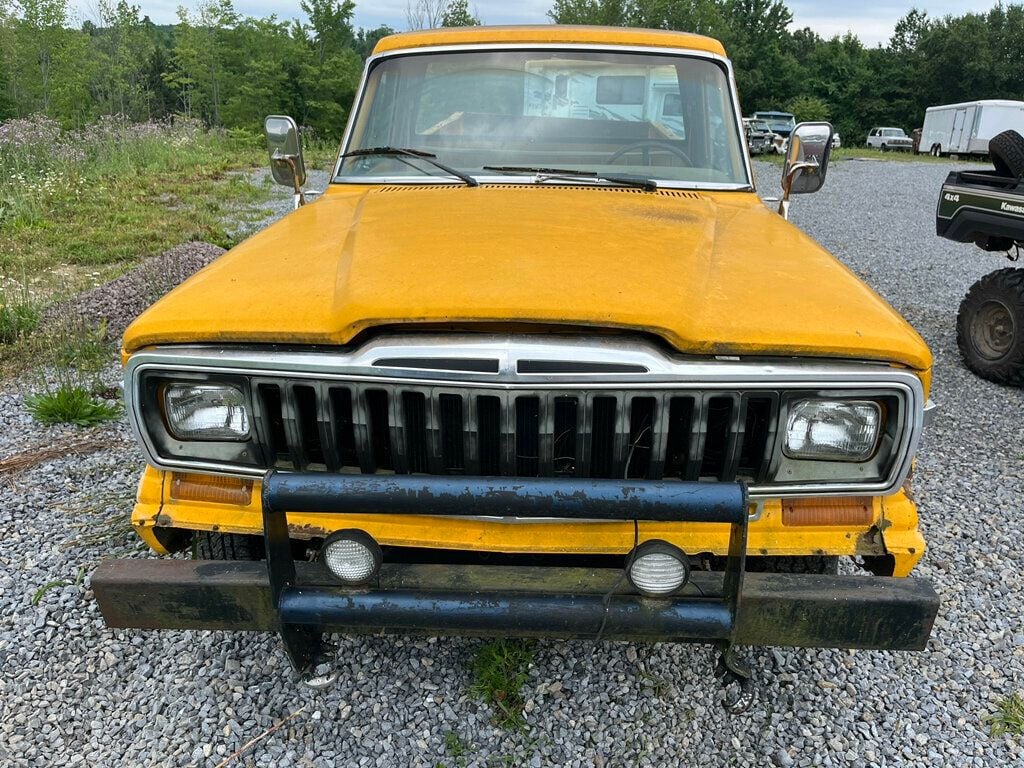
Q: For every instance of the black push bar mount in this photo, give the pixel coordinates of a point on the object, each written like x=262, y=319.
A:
x=305, y=611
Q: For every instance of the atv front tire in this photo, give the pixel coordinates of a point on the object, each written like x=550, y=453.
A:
x=990, y=327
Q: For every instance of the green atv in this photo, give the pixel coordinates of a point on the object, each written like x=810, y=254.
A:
x=987, y=208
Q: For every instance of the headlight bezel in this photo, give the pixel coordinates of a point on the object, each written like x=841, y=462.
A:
x=885, y=460
x=176, y=452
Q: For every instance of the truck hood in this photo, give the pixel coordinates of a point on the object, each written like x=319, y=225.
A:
x=710, y=273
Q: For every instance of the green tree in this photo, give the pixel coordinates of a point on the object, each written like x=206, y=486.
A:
x=756, y=37
x=123, y=50
x=201, y=47
x=457, y=14
x=366, y=39
x=615, y=13
x=705, y=17
x=330, y=74
x=808, y=108
x=49, y=64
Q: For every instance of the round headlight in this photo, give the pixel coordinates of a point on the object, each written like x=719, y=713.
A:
x=352, y=556
x=658, y=568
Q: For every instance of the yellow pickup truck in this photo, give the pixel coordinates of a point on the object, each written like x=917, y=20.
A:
x=538, y=362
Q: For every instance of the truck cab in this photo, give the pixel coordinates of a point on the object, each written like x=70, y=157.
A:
x=539, y=361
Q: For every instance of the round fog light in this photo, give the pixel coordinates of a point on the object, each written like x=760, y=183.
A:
x=658, y=568
x=351, y=555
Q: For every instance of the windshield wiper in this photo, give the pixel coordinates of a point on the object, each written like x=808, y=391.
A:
x=401, y=153
x=566, y=174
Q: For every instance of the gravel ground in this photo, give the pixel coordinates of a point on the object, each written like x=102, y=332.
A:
x=73, y=692
x=121, y=300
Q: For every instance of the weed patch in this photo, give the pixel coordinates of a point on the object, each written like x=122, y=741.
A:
x=102, y=521
x=455, y=748
x=500, y=671
x=85, y=348
x=1008, y=717
x=38, y=595
x=70, y=404
x=19, y=313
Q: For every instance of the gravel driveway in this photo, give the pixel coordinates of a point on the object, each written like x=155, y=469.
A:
x=72, y=692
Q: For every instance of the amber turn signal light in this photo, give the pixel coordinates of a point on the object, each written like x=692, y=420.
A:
x=212, y=488
x=845, y=511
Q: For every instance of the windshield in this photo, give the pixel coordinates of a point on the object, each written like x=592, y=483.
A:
x=657, y=116
x=760, y=125
x=893, y=132
x=778, y=121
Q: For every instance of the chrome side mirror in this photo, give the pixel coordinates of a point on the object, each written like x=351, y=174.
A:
x=807, y=155
x=285, y=148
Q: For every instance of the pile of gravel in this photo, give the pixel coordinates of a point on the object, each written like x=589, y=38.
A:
x=121, y=300
x=74, y=692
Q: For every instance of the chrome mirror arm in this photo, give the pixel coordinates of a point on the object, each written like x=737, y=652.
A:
x=300, y=196
x=787, y=184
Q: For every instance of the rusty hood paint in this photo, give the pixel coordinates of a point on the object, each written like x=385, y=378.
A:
x=710, y=273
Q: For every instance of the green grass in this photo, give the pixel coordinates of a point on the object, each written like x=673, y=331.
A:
x=456, y=749
x=121, y=216
x=19, y=311
x=78, y=209
x=70, y=404
x=17, y=320
x=1008, y=719
x=500, y=671
x=88, y=206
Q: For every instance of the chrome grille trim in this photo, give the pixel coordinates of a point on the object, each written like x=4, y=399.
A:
x=323, y=372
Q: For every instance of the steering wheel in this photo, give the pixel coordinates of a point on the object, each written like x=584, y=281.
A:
x=646, y=143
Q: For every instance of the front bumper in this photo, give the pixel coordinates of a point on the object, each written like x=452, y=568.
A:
x=299, y=600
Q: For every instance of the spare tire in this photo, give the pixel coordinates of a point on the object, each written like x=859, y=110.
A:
x=1007, y=152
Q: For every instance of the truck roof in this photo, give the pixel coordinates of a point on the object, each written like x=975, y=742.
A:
x=979, y=103
x=549, y=33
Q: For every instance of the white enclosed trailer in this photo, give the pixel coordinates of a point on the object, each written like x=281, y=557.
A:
x=964, y=129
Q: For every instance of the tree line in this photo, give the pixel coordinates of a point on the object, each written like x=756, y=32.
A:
x=230, y=70
x=926, y=61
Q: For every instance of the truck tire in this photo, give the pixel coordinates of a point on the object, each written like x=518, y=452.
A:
x=208, y=545
x=816, y=564
x=1007, y=152
x=990, y=327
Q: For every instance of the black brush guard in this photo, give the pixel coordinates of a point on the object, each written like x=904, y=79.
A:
x=299, y=600
x=306, y=610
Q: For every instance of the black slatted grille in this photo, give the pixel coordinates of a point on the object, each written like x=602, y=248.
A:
x=651, y=434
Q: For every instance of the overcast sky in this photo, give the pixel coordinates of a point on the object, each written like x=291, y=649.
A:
x=871, y=20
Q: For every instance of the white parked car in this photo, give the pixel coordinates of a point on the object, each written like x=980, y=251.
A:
x=836, y=143
x=890, y=138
